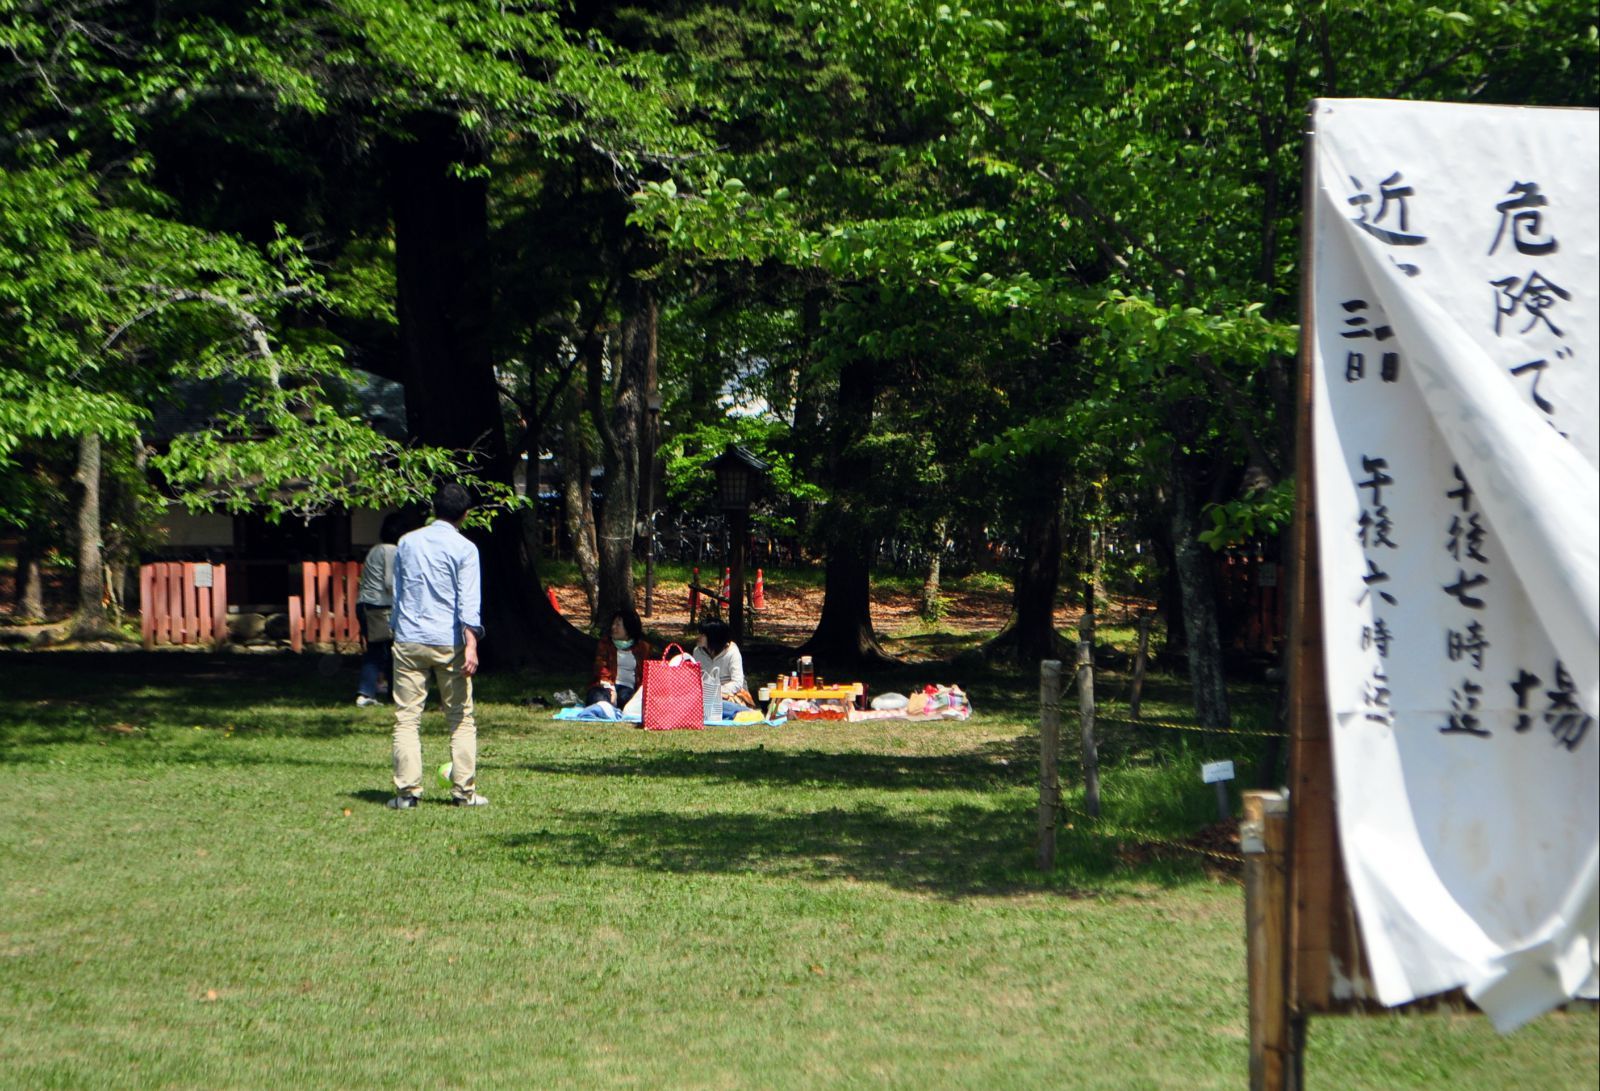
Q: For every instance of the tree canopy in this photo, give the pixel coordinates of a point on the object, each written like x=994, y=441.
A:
x=1020, y=271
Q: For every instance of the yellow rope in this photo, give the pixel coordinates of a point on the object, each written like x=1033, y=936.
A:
x=1173, y=725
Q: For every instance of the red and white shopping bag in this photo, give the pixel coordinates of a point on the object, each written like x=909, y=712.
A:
x=672, y=695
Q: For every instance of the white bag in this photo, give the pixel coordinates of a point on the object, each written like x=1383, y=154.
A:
x=711, y=697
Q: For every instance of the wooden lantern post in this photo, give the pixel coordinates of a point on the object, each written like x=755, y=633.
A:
x=739, y=475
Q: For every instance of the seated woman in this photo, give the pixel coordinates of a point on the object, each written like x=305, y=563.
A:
x=716, y=651
x=618, y=659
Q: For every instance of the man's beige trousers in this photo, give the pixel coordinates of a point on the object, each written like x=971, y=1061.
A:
x=412, y=665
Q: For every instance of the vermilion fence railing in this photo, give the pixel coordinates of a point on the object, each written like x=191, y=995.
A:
x=325, y=610
x=182, y=602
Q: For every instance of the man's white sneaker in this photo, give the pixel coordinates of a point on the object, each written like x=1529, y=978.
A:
x=363, y=701
x=474, y=800
x=403, y=803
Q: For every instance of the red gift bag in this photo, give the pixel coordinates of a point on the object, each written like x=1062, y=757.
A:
x=671, y=692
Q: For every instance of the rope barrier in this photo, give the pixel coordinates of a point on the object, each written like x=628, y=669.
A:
x=1145, y=839
x=1103, y=718
x=1175, y=726
x=1215, y=854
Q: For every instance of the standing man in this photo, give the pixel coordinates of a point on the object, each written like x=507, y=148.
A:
x=436, y=631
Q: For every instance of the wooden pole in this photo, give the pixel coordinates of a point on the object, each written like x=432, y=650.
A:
x=741, y=529
x=1049, y=760
x=1138, y=666
x=1264, y=837
x=652, y=423
x=1320, y=928
x=1091, y=757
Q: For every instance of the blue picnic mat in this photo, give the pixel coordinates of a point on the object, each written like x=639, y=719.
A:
x=633, y=721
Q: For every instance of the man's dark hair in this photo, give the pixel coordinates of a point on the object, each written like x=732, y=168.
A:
x=451, y=502
x=718, y=635
x=630, y=623
x=394, y=525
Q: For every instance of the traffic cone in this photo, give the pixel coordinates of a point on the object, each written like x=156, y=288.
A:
x=550, y=593
x=727, y=583
x=758, y=596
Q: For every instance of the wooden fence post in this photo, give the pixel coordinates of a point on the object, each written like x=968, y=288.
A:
x=147, y=605
x=219, y=603
x=172, y=574
x=1091, y=757
x=1264, y=838
x=1049, y=755
x=1138, y=666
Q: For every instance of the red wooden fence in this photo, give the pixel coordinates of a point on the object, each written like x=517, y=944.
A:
x=174, y=609
x=1253, y=602
x=325, y=610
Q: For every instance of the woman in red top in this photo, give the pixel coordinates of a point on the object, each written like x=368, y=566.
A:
x=619, y=659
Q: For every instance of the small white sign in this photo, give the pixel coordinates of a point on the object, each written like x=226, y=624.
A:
x=202, y=575
x=1213, y=771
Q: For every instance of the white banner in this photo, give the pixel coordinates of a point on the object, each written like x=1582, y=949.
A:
x=1456, y=296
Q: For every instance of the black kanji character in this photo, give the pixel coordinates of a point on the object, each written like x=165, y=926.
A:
x=1536, y=295
x=1521, y=687
x=1520, y=210
x=1465, y=583
x=1470, y=643
x=1391, y=192
x=1567, y=722
x=1374, y=575
x=1537, y=367
x=1469, y=534
x=1463, y=714
x=1377, y=635
x=1463, y=492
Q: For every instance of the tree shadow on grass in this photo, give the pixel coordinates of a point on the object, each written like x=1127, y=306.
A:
x=963, y=851
x=126, y=697
x=993, y=765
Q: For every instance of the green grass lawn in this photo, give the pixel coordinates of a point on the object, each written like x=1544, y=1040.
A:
x=202, y=888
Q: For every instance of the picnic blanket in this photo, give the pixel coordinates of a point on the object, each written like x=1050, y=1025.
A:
x=635, y=719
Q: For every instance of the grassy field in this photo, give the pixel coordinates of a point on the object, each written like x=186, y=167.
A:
x=203, y=889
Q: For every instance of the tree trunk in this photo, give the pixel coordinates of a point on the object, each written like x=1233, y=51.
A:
x=444, y=296
x=620, y=433
x=930, y=607
x=807, y=407
x=1030, y=634
x=1192, y=563
x=844, y=633
x=91, y=614
x=444, y=309
x=578, y=505
x=30, y=581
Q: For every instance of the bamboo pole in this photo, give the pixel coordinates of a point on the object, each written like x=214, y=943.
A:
x=1264, y=838
x=1091, y=756
x=1049, y=761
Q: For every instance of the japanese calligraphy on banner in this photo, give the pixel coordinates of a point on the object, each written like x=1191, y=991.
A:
x=1455, y=294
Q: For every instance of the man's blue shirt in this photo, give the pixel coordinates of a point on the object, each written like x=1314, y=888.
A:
x=436, y=591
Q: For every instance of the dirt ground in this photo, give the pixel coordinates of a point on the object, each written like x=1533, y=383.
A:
x=791, y=614
x=789, y=617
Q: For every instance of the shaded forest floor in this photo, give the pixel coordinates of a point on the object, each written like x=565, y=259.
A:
x=969, y=614
x=972, y=610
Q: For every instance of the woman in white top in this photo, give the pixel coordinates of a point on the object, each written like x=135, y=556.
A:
x=716, y=651
x=374, y=602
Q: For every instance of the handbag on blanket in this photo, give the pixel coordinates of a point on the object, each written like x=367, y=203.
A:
x=672, y=693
